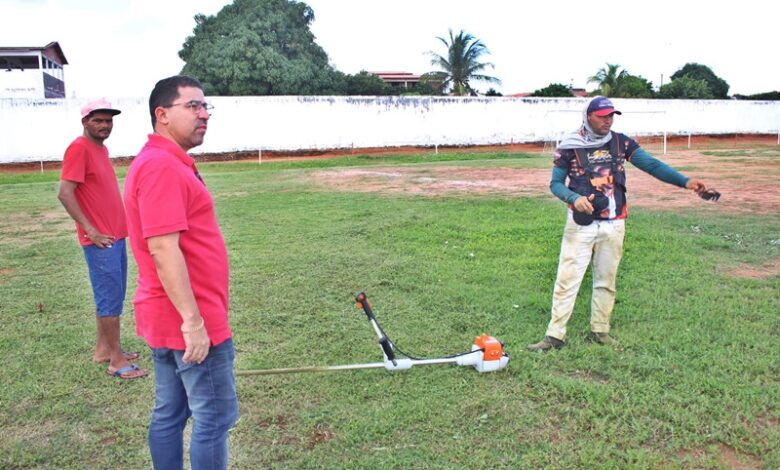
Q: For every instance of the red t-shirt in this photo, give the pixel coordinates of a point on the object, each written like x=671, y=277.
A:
x=164, y=194
x=97, y=192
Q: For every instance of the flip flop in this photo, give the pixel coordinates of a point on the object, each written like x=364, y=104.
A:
x=130, y=356
x=122, y=371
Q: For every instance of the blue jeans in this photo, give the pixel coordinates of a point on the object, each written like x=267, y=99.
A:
x=205, y=391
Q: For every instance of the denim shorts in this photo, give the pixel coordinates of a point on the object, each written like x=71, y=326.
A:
x=108, y=276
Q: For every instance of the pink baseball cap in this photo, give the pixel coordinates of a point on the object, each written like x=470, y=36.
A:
x=102, y=105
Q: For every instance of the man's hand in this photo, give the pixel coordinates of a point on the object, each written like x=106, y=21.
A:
x=583, y=204
x=197, y=345
x=701, y=190
x=696, y=185
x=100, y=240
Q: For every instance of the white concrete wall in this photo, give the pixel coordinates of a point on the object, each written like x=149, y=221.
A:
x=33, y=130
x=25, y=84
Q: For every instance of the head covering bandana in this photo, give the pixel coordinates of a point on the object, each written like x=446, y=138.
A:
x=585, y=136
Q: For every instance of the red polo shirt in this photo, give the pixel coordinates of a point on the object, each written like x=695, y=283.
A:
x=164, y=194
x=97, y=193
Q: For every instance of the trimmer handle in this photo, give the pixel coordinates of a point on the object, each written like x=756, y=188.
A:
x=362, y=302
x=384, y=341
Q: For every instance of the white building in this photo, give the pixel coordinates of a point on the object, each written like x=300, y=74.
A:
x=32, y=72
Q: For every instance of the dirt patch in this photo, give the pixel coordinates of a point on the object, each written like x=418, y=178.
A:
x=436, y=180
x=319, y=435
x=281, y=421
x=590, y=376
x=756, y=272
x=767, y=421
x=726, y=456
x=727, y=175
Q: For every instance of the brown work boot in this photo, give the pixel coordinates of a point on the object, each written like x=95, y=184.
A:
x=602, y=338
x=546, y=344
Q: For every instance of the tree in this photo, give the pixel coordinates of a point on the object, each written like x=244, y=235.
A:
x=686, y=87
x=493, y=92
x=632, y=86
x=766, y=96
x=718, y=86
x=429, y=85
x=554, y=90
x=461, y=65
x=365, y=83
x=607, y=79
x=259, y=47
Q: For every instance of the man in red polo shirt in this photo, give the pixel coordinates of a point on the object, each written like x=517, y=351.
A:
x=181, y=304
x=90, y=193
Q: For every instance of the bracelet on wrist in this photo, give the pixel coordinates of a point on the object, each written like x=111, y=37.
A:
x=198, y=328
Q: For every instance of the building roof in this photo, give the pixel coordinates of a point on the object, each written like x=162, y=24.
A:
x=52, y=48
x=396, y=76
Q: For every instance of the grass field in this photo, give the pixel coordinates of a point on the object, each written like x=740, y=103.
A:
x=694, y=383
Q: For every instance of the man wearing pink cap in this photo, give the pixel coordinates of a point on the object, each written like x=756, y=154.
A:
x=90, y=193
x=593, y=159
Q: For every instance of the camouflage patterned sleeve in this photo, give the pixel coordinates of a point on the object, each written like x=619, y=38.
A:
x=562, y=158
x=629, y=147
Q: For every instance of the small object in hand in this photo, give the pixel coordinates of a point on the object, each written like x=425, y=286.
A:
x=709, y=195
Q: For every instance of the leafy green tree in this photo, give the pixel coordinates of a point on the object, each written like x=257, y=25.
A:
x=632, y=86
x=461, y=65
x=718, y=86
x=259, y=47
x=766, y=96
x=607, y=79
x=429, y=85
x=553, y=90
x=365, y=83
x=493, y=92
x=686, y=87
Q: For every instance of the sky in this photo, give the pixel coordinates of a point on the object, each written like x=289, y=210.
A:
x=120, y=48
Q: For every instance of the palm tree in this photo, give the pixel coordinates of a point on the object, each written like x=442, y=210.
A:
x=608, y=78
x=461, y=65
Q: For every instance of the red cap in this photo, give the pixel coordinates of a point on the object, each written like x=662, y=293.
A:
x=602, y=106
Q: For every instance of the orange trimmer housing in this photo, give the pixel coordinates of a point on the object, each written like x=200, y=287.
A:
x=493, y=349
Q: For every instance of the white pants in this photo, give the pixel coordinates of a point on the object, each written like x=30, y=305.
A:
x=603, y=242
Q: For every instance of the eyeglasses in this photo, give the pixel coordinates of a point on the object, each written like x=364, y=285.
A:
x=195, y=106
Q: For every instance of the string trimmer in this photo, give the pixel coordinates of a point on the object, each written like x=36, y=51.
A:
x=486, y=355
